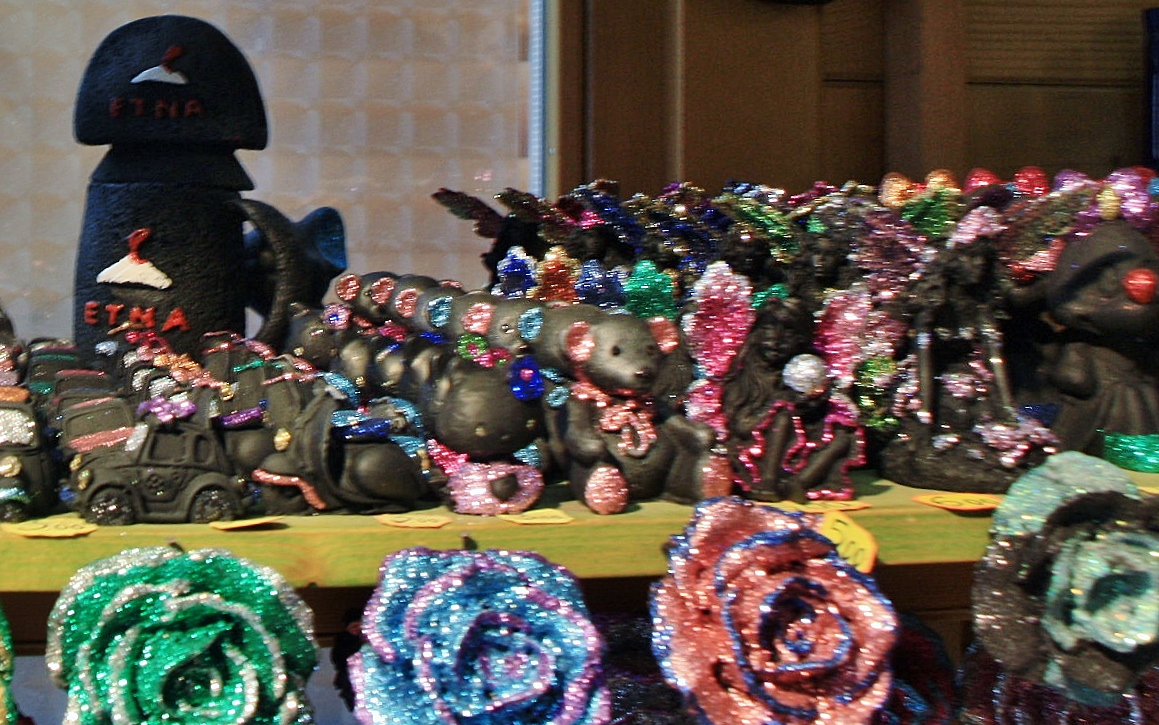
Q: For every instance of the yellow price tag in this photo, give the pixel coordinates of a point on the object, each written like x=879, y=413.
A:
x=55, y=527
x=960, y=501
x=854, y=543
x=414, y=521
x=244, y=523
x=821, y=507
x=538, y=517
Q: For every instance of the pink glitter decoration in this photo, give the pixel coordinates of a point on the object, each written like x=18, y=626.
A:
x=447, y=460
x=851, y=331
x=984, y=221
x=381, y=290
x=842, y=413
x=277, y=479
x=606, y=491
x=470, y=488
x=630, y=417
x=717, y=328
x=477, y=318
x=347, y=287
x=580, y=343
x=406, y=303
x=664, y=333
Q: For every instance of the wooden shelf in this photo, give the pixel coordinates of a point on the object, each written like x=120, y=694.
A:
x=925, y=561
x=345, y=551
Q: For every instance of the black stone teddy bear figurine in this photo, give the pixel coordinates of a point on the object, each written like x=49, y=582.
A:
x=621, y=445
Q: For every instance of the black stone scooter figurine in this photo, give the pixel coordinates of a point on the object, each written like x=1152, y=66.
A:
x=163, y=249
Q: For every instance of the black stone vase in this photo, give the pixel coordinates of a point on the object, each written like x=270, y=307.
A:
x=163, y=249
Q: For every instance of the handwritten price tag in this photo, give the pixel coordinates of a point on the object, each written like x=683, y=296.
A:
x=538, y=517
x=244, y=523
x=855, y=545
x=58, y=527
x=821, y=507
x=414, y=521
x=960, y=501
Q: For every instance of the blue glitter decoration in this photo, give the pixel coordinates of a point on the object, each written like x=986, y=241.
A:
x=516, y=273
x=598, y=286
x=531, y=324
x=524, y=378
x=557, y=396
x=341, y=386
x=489, y=637
x=368, y=430
x=439, y=311
x=1044, y=413
x=1063, y=477
x=529, y=456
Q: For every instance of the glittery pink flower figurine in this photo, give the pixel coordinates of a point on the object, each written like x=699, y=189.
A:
x=760, y=621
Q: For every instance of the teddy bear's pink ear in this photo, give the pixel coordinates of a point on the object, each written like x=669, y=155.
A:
x=477, y=318
x=580, y=342
x=665, y=334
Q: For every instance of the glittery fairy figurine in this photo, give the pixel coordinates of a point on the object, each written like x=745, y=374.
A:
x=959, y=429
x=161, y=635
x=793, y=436
x=497, y=637
x=1065, y=602
x=760, y=621
x=833, y=226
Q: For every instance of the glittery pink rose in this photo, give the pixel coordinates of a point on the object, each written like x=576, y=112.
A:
x=760, y=621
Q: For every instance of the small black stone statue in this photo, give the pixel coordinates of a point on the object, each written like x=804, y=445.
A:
x=162, y=250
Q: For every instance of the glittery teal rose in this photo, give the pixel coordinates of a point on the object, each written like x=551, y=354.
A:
x=157, y=635
x=478, y=638
x=1067, y=594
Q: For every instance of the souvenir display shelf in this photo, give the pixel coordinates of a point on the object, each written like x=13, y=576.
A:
x=925, y=554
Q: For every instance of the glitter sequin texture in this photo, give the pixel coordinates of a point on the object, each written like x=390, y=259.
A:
x=759, y=621
x=472, y=491
x=495, y=637
x=1067, y=595
x=7, y=706
x=158, y=635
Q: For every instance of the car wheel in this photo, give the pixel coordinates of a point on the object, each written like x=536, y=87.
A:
x=111, y=506
x=212, y=504
x=12, y=512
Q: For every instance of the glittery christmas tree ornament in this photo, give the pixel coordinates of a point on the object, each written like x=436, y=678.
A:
x=158, y=635
x=649, y=292
x=516, y=273
x=760, y=621
x=488, y=637
x=557, y=275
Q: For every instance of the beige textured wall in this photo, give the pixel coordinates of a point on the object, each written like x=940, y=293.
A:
x=373, y=104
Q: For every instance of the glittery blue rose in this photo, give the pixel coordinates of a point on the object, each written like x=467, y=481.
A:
x=1069, y=598
x=478, y=638
x=157, y=635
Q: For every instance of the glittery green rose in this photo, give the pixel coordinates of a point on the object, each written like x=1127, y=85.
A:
x=8, y=713
x=1068, y=592
x=157, y=635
